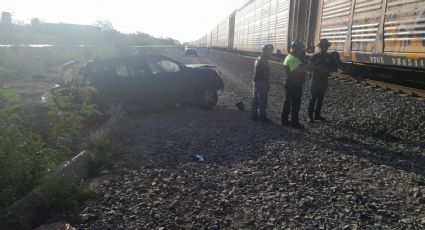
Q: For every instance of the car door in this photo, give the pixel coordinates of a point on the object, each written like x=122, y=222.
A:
x=170, y=80
x=102, y=76
x=138, y=85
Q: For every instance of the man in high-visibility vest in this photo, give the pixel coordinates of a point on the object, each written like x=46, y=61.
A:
x=294, y=70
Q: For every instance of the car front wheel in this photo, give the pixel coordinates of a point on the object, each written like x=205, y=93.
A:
x=207, y=99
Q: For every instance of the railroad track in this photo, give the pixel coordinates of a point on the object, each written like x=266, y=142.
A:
x=382, y=85
x=361, y=80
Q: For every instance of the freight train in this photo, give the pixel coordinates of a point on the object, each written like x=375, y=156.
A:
x=383, y=32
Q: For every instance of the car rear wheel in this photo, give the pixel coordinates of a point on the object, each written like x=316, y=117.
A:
x=207, y=99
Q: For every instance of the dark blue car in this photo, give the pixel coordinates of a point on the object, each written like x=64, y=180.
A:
x=152, y=80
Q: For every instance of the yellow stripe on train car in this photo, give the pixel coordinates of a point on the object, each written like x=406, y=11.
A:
x=346, y=54
x=412, y=56
x=354, y=57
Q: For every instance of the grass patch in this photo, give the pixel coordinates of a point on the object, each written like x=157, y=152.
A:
x=65, y=197
x=29, y=150
x=104, y=152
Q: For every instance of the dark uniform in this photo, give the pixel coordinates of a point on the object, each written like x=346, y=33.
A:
x=261, y=88
x=326, y=63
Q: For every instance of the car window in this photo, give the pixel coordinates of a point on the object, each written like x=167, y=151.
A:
x=169, y=66
x=163, y=66
x=139, y=69
x=97, y=69
x=154, y=67
x=100, y=71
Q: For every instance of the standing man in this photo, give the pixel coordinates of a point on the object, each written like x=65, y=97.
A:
x=294, y=71
x=261, y=85
x=325, y=64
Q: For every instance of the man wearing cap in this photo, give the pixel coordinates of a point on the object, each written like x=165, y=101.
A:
x=294, y=70
x=261, y=85
x=325, y=64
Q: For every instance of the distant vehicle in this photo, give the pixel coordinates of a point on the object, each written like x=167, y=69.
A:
x=191, y=52
x=151, y=80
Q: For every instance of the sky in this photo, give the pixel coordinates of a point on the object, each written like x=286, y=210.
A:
x=184, y=20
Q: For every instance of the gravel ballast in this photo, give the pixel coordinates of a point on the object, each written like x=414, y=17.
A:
x=363, y=168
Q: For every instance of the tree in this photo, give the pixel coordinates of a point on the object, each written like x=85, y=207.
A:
x=105, y=25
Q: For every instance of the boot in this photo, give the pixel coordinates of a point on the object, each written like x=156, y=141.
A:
x=310, y=118
x=265, y=120
x=297, y=126
x=284, y=122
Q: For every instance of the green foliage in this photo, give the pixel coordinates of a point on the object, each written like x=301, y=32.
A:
x=71, y=108
x=103, y=153
x=24, y=159
x=33, y=141
x=85, y=192
x=27, y=149
x=104, y=25
x=63, y=197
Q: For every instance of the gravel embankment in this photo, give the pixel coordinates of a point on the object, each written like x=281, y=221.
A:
x=364, y=168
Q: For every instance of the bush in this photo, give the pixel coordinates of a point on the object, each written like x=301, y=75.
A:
x=28, y=150
x=103, y=153
x=68, y=112
x=24, y=159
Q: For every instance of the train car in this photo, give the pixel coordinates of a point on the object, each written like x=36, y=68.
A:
x=226, y=30
x=208, y=44
x=385, y=32
x=261, y=22
x=214, y=37
x=276, y=22
x=201, y=42
x=222, y=34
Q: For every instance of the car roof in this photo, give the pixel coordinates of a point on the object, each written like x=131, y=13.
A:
x=124, y=59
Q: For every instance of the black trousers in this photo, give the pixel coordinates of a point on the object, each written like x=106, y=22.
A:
x=259, y=100
x=292, y=104
x=316, y=103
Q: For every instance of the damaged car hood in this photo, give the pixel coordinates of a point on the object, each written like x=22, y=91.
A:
x=207, y=66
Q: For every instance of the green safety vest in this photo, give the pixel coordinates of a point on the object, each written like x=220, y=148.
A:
x=292, y=62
